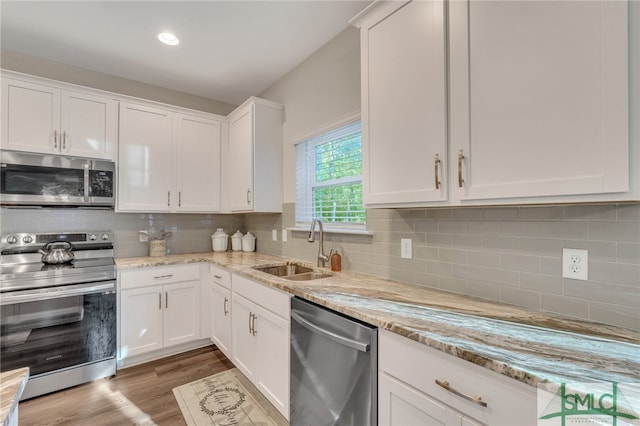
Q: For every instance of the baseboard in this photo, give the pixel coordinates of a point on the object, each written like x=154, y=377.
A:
x=162, y=353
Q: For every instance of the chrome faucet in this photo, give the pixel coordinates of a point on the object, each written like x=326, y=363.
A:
x=322, y=258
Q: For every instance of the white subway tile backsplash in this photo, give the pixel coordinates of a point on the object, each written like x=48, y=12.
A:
x=508, y=254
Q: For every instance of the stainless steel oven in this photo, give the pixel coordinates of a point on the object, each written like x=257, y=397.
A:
x=58, y=319
x=53, y=180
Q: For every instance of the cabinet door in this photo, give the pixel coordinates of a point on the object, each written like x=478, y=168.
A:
x=181, y=312
x=140, y=321
x=30, y=117
x=221, y=318
x=272, y=333
x=144, y=171
x=243, y=340
x=539, y=98
x=241, y=161
x=198, y=155
x=89, y=126
x=401, y=405
x=404, y=106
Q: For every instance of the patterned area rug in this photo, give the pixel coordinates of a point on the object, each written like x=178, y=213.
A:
x=227, y=398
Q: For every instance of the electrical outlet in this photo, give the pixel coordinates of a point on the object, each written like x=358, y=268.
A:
x=405, y=248
x=575, y=264
x=143, y=236
x=274, y=234
x=284, y=235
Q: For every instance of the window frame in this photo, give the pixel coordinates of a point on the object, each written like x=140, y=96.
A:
x=310, y=183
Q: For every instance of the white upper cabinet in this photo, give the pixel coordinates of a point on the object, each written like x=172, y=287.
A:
x=145, y=177
x=254, y=169
x=168, y=161
x=47, y=119
x=404, y=143
x=198, y=145
x=539, y=99
x=533, y=98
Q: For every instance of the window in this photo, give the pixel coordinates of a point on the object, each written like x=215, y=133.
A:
x=329, y=178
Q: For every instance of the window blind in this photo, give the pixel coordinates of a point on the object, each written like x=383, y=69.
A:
x=328, y=178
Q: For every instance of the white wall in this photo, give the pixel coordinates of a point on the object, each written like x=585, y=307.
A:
x=323, y=88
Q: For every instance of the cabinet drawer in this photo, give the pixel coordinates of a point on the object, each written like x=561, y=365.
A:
x=267, y=297
x=220, y=276
x=159, y=275
x=509, y=402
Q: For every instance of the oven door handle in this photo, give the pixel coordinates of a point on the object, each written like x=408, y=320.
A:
x=25, y=296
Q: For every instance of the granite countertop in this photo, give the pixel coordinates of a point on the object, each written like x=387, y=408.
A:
x=12, y=385
x=523, y=344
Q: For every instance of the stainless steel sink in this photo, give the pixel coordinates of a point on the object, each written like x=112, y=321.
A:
x=293, y=272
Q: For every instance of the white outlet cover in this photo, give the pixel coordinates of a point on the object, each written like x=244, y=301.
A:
x=575, y=264
x=284, y=235
x=274, y=234
x=406, y=248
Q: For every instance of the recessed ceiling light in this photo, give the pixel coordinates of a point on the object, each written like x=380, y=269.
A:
x=168, y=38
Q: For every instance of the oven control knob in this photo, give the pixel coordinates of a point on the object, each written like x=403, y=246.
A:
x=28, y=239
x=104, y=237
x=12, y=239
x=93, y=237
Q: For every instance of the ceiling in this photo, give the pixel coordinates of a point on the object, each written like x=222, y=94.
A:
x=228, y=51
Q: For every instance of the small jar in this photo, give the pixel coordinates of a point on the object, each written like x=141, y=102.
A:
x=236, y=241
x=220, y=240
x=248, y=242
x=157, y=248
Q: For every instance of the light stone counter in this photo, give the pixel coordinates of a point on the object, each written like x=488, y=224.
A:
x=523, y=344
x=12, y=384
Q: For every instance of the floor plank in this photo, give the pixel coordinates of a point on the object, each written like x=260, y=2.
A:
x=140, y=395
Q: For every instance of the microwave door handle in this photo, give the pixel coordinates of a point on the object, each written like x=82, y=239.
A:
x=86, y=182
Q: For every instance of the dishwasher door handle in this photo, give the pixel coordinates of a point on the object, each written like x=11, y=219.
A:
x=354, y=344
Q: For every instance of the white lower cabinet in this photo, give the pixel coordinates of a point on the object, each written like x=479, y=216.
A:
x=220, y=308
x=260, y=338
x=409, y=395
x=159, y=308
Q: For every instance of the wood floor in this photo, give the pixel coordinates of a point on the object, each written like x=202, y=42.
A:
x=140, y=395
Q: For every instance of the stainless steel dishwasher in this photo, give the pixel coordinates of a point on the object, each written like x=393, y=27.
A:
x=334, y=362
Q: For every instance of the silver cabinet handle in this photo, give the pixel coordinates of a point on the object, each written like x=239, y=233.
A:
x=460, y=158
x=250, y=329
x=345, y=341
x=169, y=198
x=437, y=171
x=55, y=139
x=86, y=182
x=475, y=399
x=166, y=300
x=224, y=306
x=64, y=140
x=159, y=301
x=179, y=198
x=219, y=277
x=254, y=325
x=162, y=277
x=248, y=196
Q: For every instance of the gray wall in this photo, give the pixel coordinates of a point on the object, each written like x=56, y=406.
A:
x=19, y=62
x=509, y=254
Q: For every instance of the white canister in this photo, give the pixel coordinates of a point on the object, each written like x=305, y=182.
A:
x=157, y=248
x=236, y=241
x=248, y=242
x=220, y=240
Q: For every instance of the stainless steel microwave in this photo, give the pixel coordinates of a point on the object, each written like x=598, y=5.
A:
x=47, y=180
